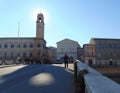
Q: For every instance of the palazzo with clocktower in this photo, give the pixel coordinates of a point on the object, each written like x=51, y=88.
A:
x=11, y=48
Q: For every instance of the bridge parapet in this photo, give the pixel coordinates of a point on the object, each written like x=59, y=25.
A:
x=89, y=80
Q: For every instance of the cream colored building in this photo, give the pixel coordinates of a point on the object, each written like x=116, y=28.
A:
x=10, y=48
x=69, y=47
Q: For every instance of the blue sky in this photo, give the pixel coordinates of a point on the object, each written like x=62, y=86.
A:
x=79, y=20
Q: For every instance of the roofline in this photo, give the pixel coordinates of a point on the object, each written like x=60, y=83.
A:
x=20, y=38
x=105, y=38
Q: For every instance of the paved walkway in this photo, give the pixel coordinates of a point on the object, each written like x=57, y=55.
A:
x=37, y=79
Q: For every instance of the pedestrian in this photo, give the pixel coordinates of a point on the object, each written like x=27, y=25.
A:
x=66, y=60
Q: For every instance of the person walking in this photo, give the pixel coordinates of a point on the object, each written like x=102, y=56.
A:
x=66, y=60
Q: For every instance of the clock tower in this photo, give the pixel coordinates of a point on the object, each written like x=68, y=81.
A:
x=40, y=26
x=40, y=43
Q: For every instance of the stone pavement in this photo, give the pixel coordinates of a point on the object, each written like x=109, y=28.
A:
x=41, y=78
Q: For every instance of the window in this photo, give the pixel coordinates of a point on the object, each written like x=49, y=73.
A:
x=87, y=53
x=104, y=45
x=38, y=45
x=119, y=45
x=99, y=45
x=24, y=54
x=6, y=46
x=38, y=53
x=18, y=54
x=24, y=46
x=12, y=46
x=115, y=45
x=30, y=54
x=92, y=48
x=87, y=48
x=110, y=45
x=31, y=45
x=92, y=54
x=19, y=46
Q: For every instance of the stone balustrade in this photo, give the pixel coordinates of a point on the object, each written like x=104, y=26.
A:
x=89, y=80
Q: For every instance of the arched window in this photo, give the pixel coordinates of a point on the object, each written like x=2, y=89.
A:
x=90, y=62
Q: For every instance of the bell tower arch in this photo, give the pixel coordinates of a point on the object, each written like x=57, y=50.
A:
x=40, y=26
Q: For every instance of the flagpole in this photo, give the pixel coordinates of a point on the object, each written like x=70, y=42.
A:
x=18, y=39
x=18, y=29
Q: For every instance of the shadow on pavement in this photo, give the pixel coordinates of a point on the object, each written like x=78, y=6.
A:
x=38, y=79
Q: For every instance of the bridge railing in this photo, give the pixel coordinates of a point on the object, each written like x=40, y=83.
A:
x=89, y=80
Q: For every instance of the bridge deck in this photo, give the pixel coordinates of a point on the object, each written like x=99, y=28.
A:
x=39, y=78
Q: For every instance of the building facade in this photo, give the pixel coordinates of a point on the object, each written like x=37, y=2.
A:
x=51, y=53
x=11, y=48
x=80, y=54
x=107, y=50
x=68, y=47
x=89, y=54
